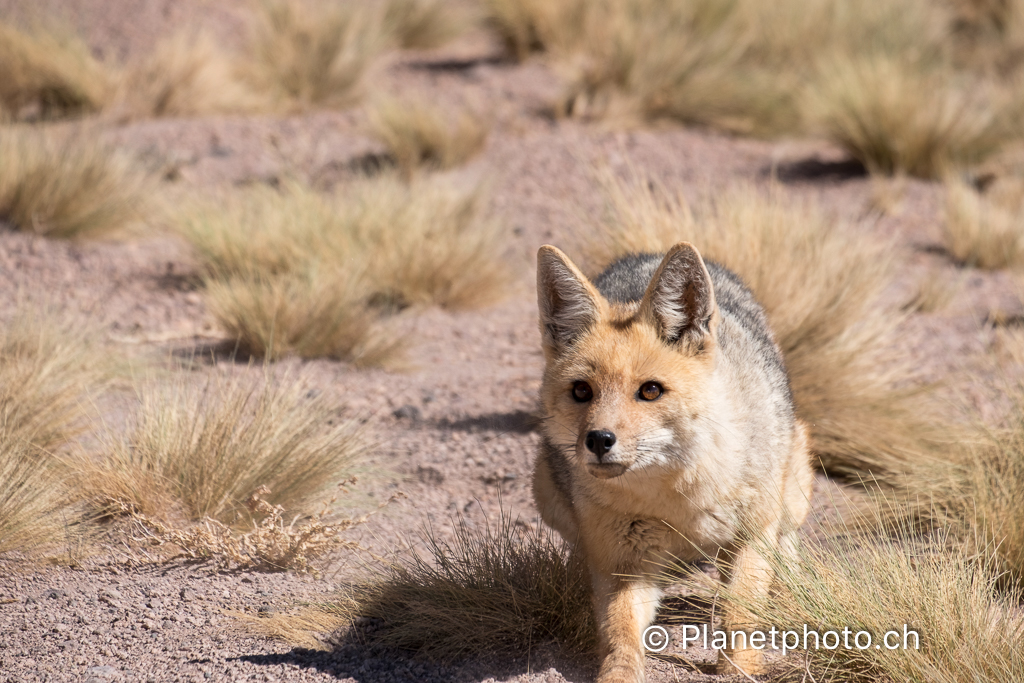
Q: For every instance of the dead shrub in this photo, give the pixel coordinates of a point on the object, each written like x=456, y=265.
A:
x=423, y=24
x=200, y=450
x=187, y=74
x=269, y=545
x=50, y=72
x=503, y=591
x=979, y=232
x=896, y=115
x=821, y=285
x=310, y=52
x=418, y=134
x=67, y=183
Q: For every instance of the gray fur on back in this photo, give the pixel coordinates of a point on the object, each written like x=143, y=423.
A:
x=626, y=280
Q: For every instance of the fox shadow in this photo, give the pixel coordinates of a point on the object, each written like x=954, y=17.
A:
x=353, y=657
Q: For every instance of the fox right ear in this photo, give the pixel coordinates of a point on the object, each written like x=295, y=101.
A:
x=568, y=303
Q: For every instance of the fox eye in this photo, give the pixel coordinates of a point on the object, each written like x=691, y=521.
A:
x=582, y=392
x=650, y=391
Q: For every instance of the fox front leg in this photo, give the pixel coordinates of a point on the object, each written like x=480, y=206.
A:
x=749, y=576
x=624, y=607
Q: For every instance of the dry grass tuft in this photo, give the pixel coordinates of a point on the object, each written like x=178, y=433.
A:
x=418, y=134
x=201, y=450
x=897, y=116
x=966, y=632
x=503, y=591
x=67, y=183
x=50, y=72
x=423, y=24
x=979, y=232
x=46, y=373
x=310, y=52
x=187, y=74
x=269, y=545
x=320, y=313
x=934, y=291
x=822, y=286
x=527, y=26
x=280, y=272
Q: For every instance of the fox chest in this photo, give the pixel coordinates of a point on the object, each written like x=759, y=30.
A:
x=633, y=528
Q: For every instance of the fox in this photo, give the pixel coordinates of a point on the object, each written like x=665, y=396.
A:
x=668, y=433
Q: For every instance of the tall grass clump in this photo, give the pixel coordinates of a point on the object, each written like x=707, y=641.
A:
x=48, y=72
x=657, y=59
x=67, y=183
x=423, y=24
x=979, y=232
x=528, y=26
x=298, y=272
x=47, y=372
x=310, y=52
x=187, y=74
x=418, y=134
x=822, y=286
x=966, y=630
x=499, y=591
x=896, y=115
x=202, y=449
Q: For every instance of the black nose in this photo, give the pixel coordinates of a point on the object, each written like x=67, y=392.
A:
x=599, y=442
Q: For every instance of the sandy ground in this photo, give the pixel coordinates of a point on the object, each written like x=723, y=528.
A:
x=456, y=427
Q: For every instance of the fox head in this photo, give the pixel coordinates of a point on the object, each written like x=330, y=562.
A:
x=626, y=384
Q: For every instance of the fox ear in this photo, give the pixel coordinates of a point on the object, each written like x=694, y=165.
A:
x=567, y=301
x=680, y=298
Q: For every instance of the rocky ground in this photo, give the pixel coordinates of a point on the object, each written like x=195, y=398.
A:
x=456, y=426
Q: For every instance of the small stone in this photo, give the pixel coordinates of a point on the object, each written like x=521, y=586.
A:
x=407, y=412
x=226, y=594
x=111, y=596
x=100, y=673
x=265, y=611
x=188, y=595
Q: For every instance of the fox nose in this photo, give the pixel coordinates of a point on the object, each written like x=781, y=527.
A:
x=599, y=442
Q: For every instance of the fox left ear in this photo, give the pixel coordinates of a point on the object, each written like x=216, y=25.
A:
x=680, y=298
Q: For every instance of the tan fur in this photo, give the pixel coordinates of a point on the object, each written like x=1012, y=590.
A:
x=716, y=460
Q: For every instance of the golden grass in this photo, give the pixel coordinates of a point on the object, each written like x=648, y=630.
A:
x=310, y=52
x=46, y=373
x=67, y=183
x=419, y=134
x=502, y=591
x=979, y=232
x=822, y=286
x=934, y=291
x=527, y=26
x=654, y=59
x=423, y=24
x=966, y=631
x=50, y=72
x=898, y=116
x=187, y=74
x=299, y=272
x=319, y=313
x=202, y=449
